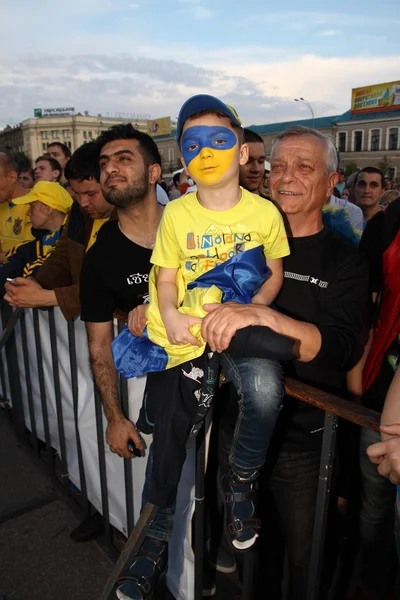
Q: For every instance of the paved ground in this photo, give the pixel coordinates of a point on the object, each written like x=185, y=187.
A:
x=38, y=559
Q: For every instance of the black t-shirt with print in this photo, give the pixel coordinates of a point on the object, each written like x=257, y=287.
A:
x=114, y=275
x=326, y=283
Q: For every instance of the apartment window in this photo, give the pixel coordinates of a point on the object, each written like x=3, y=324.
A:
x=342, y=141
x=55, y=133
x=84, y=135
x=357, y=141
x=44, y=146
x=391, y=173
x=393, y=138
x=69, y=145
x=171, y=155
x=375, y=139
x=44, y=135
x=90, y=135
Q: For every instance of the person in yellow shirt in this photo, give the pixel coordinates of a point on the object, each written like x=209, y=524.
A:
x=49, y=204
x=57, y=281
x=220, y=231
x=15, y=225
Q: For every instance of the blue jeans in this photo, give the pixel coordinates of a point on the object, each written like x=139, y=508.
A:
x=378, y=552
x=259, y=385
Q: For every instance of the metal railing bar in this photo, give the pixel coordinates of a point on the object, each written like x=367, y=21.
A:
x=356, y=413
x=128, y=476
x=28, y=381
x=75, y=402
x=102, y=465
x=17, y=407
x=9, y=323
x=199, y=513
x=129, y=500
x=135, y=540
x=57, y=394
x=42, y=388
x=322, y=505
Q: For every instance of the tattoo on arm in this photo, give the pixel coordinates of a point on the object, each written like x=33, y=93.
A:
x=104, y=372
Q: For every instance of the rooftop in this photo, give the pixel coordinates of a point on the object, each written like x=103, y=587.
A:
x=317, y=123
x=378, y=115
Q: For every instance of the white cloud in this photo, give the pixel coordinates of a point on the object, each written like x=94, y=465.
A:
x=196, y=11
x=200, y=12
x=328, y=33
x=261, y=90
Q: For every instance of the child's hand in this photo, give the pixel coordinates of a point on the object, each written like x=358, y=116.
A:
x=177, y=326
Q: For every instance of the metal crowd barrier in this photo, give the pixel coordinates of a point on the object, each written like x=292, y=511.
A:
x=10, y=383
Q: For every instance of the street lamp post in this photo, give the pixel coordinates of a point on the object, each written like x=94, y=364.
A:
x=309, y=106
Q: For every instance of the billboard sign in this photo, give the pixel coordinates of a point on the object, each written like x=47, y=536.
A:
x=53, y=112
x=159, y=126
x=374, y=98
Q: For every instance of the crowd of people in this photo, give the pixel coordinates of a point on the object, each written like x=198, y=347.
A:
x=291, y=270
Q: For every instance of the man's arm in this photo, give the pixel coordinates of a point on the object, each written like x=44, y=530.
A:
x=331, y=337
x=119, y=429
x=27, y=293
x=386, y=454
x=223, y=320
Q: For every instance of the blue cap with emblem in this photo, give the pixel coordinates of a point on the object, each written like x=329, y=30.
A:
x=200, y=103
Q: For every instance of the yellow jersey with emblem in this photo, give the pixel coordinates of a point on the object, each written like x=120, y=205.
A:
x=194, y=239
x=97, y=224
x=15, y=225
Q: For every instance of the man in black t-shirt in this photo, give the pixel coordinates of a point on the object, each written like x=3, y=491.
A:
x=115, y=270
x=322, y=305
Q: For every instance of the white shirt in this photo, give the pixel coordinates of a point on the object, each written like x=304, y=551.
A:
x=162, y=196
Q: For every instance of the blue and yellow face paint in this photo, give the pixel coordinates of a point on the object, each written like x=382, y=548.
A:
x=208, y=152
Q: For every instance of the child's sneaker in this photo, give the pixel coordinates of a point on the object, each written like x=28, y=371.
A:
x=140, y=581
x=241, y=523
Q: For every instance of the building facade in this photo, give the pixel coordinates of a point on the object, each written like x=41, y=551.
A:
x=370, y=139
x=367, y=139
x=33, y=136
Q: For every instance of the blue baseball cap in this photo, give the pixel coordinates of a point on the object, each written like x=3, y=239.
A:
x=200, y=103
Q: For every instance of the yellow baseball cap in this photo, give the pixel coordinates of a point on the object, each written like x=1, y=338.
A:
x=47, y=192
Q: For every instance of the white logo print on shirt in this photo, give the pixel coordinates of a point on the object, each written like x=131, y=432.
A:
x=195, y=373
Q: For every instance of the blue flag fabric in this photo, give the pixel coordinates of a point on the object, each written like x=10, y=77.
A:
x=238, y=278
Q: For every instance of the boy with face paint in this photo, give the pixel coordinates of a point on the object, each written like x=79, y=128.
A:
x=199, y=232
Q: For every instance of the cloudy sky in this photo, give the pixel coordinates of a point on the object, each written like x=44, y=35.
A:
x=148, y=56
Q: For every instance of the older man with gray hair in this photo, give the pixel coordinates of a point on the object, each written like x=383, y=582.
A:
x=322, y=305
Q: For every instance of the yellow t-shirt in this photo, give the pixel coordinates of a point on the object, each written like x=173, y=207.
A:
x=97, y=224
x=195, y=239
x=15, y=225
